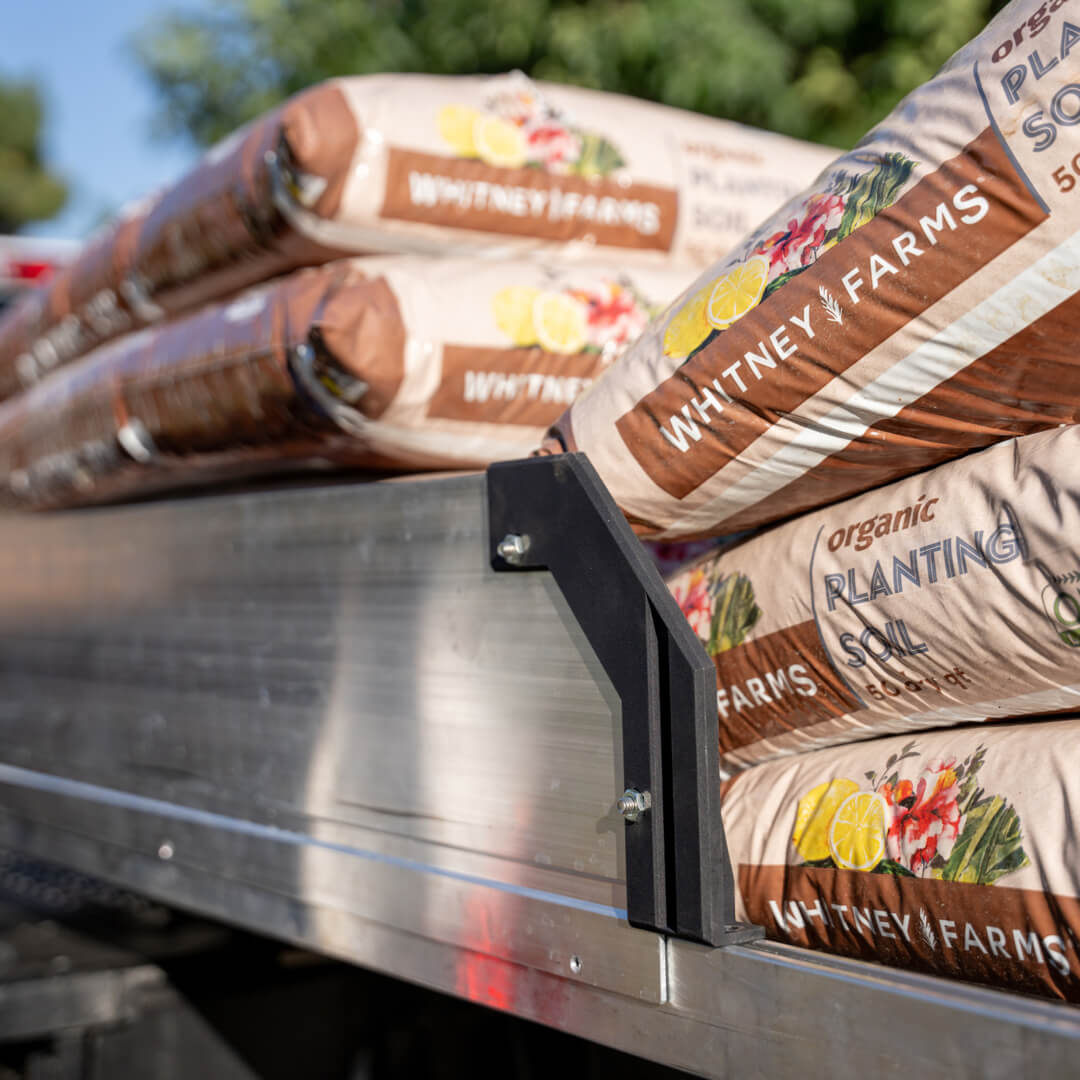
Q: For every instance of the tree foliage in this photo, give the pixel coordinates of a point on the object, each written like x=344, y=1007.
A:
x=817, y=69
x=28, y=191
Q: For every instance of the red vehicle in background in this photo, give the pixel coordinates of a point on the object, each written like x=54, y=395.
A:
x=26, y=261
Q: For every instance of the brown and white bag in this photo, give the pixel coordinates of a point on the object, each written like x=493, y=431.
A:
x=421, y=164
x=947, y=597
x=917, y=301
x=386, y=363
x=949, y=852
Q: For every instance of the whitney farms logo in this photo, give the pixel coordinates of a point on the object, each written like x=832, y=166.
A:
x=935, y=824
x=930, y=935
x=772, y=260
x=519, y=157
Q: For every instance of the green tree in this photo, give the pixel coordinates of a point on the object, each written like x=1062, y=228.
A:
x=28, y=191
x=817, y=69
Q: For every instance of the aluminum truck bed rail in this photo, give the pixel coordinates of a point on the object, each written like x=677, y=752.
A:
x=321, y=714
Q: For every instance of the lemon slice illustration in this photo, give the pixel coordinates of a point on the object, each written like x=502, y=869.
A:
x=513, y=307
x=857, y=832
x=456, y=123
x=737, y=292
x=690, y=325
x=498, y=143
x=817, y=808
x=559, y=322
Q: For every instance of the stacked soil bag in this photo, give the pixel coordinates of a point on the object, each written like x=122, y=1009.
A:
x=380, y=363
x=947, y=597
x=950, y=852
x=403, y=163
x=917, y=301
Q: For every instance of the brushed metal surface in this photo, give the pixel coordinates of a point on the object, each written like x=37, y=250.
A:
x=375, y=721
x=759, y=1011
x=316, y=713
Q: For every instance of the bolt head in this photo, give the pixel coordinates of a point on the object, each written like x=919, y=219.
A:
x=633, y=803
x=513, y=547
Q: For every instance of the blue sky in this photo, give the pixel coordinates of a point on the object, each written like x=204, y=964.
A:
x=99, y=105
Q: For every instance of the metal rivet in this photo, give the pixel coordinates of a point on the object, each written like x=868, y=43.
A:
x=19, y=482
x=26, y=369
x=633, y=803
x=575, y=965
x=166, y=850
x=512, y=548
x=136, y=441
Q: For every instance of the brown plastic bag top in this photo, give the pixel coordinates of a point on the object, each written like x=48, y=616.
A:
x=407, y=163
x=917, y=301
x=945, y=598
x=948, y=852
x=217, y=230
x=381, y=363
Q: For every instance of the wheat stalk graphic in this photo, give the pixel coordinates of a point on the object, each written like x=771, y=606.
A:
x=832, y=308
x=926, y=929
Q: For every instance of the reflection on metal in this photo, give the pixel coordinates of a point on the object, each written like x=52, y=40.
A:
x=319, y=714
x=327, y=693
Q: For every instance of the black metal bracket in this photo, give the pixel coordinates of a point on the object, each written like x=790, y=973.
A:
x=554, y=513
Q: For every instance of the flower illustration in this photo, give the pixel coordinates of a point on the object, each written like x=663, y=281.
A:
x=926, y=817
x=603, y=318
x=693, y=597
x=614, y=314
x=521, y=104
x=801, y=242
x=518, y=127
x=553, y=146
x=942, y=825
x=720, y=608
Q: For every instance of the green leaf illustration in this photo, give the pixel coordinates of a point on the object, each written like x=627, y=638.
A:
x=734, y=613
x=888, y=866
x=599, y=156
x=781, y=280
x=819, y=864
x=871, y=192
x=713, y=335
x=990, y=846
x=969, y=791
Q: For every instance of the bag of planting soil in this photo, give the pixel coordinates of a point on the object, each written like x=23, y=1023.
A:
x=383, y=362
x=918, y=300
x=950, y=852
x=946, y=597
x=406, y=163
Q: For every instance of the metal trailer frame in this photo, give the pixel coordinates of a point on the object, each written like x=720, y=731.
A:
x=338, y=716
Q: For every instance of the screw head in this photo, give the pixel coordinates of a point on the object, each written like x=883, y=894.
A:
x=575, y=965
x=633, y=803
x=166, y=850
x=513, y=547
